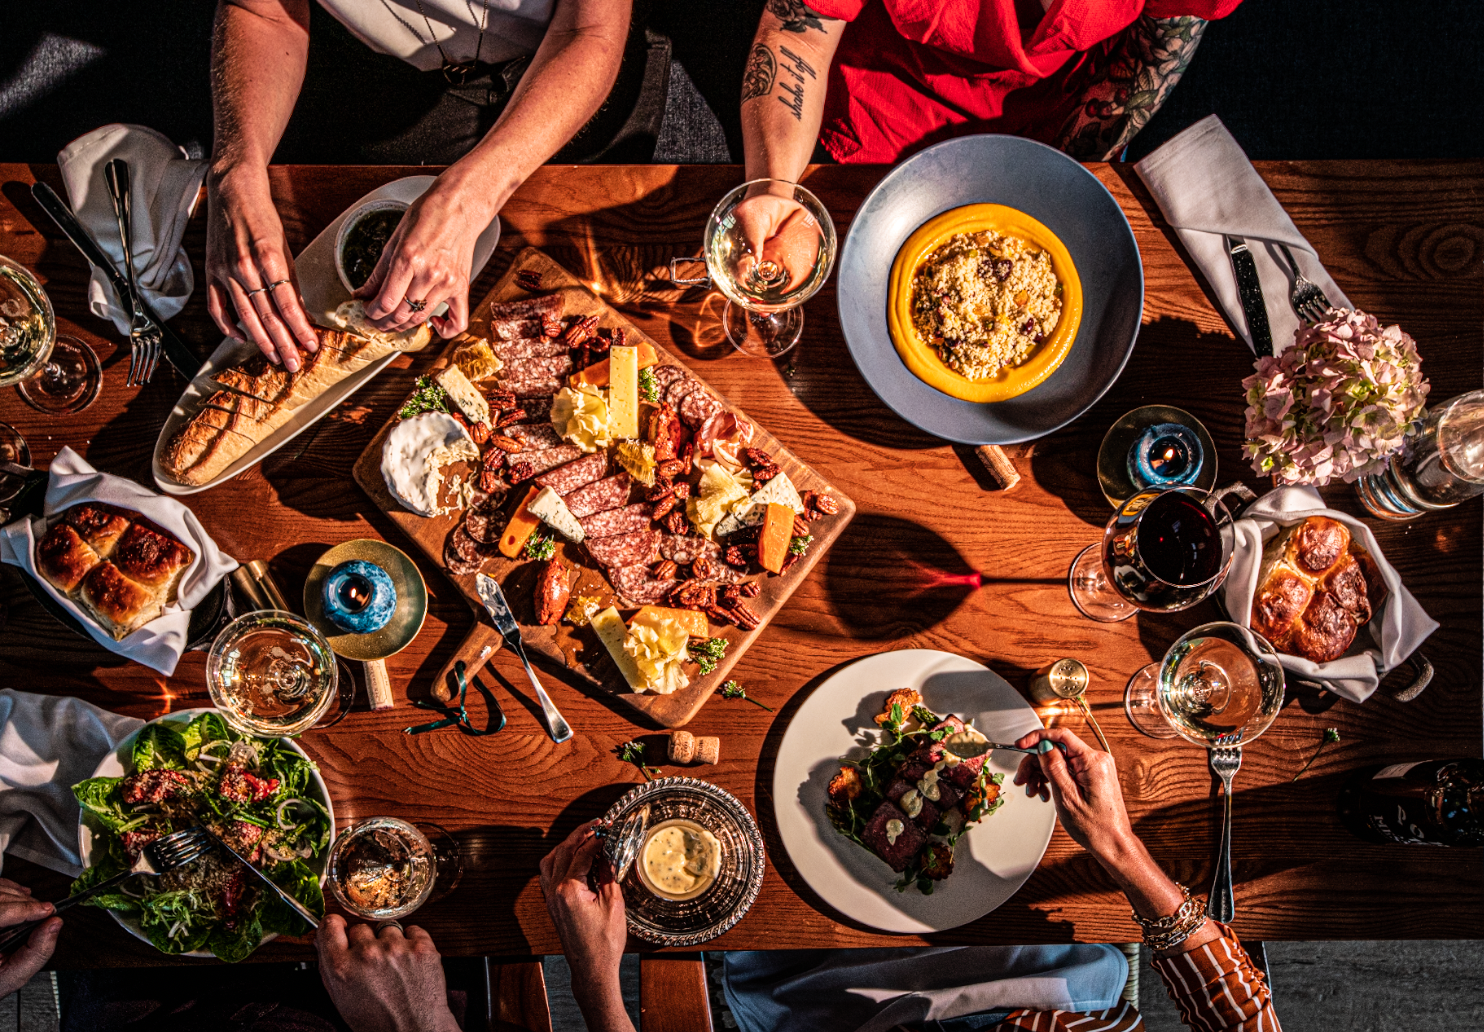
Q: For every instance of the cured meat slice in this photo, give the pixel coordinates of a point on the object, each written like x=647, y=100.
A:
x=664, y=375
x=709, y=568
x=528, y=347
x=625, y=549
x=481, y=526
x=535, y=436
x=697, y=407
x=599, y=496
x=687, y=548
x=679, y=389
x=465, y=547
x=617, y=521
x=532, y=385
x=535, y=409
x=537, y=367
x=566, y=479
x=637, y=586
x=454, y=562
x=551, y=458
x=513, y=320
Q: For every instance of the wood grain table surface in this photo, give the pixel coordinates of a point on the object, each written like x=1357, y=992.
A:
x=1404, y=239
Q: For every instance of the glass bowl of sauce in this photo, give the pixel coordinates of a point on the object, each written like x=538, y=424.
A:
x=679, y=859
x=362, y=237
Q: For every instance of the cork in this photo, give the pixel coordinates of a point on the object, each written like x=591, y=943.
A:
x=708, y=750
x=682, y=747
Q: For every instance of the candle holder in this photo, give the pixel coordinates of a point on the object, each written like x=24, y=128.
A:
x=1155, y=446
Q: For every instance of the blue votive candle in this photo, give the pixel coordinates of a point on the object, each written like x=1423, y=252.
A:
x=1165, y=455
x=359, y=597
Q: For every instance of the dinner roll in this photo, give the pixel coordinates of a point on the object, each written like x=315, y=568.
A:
x=1316, y=588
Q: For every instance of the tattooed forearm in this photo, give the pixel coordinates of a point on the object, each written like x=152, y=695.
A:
x=797, y=68
x=795, y=16
x=762, y=69
x=1131, y=82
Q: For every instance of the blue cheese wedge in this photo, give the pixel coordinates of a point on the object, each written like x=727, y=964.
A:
x=414, y=454
x=780, y=491
x=463, y=394
x=548, y=507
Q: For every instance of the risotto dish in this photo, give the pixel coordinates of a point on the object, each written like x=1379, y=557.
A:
x=984, y=303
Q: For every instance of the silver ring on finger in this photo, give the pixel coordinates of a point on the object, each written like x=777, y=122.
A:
x=381, y=926
x=416, y=306
x=260, y=290
x=275, y=284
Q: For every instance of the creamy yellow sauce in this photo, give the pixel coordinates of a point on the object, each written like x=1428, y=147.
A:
x=920, y=357
x=680, y=859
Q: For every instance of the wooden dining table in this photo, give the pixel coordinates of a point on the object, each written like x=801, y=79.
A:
x=1405, y=240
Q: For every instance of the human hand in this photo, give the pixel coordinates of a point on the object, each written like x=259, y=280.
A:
x=246, y=252
x=1083, y=782
x=17, y=907
x=589, y=922
x=779, y=230
x=427, y=259
x=386, y=981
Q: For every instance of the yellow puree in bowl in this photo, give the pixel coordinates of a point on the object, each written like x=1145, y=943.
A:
x=680, y=859
x=923, y=360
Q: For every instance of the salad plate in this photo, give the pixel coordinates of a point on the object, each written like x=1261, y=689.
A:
x=836, y=724
x=173, y=920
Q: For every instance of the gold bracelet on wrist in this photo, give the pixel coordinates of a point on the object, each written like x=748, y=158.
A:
x=1165, y=933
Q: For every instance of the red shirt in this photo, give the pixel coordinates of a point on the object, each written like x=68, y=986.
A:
x=909, y=73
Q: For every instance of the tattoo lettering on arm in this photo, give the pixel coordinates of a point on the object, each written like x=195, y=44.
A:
x=795, y=16
x=798, y=68
x=1130, y=81
x=762, y=69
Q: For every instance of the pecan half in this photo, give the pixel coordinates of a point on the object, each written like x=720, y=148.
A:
x=460, y=419
x=598, y=344
x=801, y=526
x=670, y=468
x=719, y=614
x=551, y=326
x=682, y=490
x=579, y=331
x=762, y=474
x=520, y=471
x=789, y=560
x=490, y=482
x=744, y=617
x=500, y=399
x=737, y=557
x=480, y=432
x=756, y=457
x=494, y=458
x=750, y=589
x=664, y=506
x=528, y=280
x=685, y=453
x=515, y=415
x=505, y=444
x=661, y=490
x=826, y=505
x=664, y=569
x=693, y=594
x=731, y=594
x=677, y=524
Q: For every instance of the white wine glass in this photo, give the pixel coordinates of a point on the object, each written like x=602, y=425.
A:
x=1219, y=684
x=53, y=374
x=769, y=246
x=271, y=673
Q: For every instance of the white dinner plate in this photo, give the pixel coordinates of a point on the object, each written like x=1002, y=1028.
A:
x=120, y=763
x=323, y=293
x=992, y=860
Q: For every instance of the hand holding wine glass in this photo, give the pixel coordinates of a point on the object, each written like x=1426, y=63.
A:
x=781, y=237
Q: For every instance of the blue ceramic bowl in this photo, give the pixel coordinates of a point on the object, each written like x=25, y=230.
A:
x=1045, y=184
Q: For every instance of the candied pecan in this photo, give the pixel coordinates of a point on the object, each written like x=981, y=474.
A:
x=515, y=415
x=490, y=482
x=580, y=330
x=825, y=505
x=460, y=419
x=620, y=336
x=664, y=507
x=661, y=490
x=763, y=473
x=676, y=523
x=528, y=280
x=500, y=399
x=670, y=468
x=598, y=345
x=506, y=444
x=807, y=497
x=789, y=560
x=744, y=617
x=756, y=457
x=719, y=614
x=494, y=458
x=551, y=326
x=665, y=569
x=693, y=594
x=480, y=432
x=801, y=526
x=736, y=557
x=750, y=589
x=682, y=490
x=731, y=594
x=521, y=471
x=685, y=453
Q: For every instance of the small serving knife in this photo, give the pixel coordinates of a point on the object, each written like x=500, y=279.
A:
x=1249, y=291
x=499, y=610
x=299, y=908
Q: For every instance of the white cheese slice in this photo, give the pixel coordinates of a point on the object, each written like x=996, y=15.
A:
x=464, y=394
x=548, y=507
x=414, y=454
x=780, y=490
x=612, y=632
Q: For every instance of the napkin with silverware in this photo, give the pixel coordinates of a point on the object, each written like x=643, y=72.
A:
x=163, y=186
x=1395, y=631
x=1207, y=190
x=159, y=643
x=48, y=743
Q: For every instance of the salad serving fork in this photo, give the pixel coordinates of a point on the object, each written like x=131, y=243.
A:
x=163, y=854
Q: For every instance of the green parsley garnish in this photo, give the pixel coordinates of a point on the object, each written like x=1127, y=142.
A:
x=800, y=545
x=1331, y=734
x=708, y=653
x=540, y=545
x=647, y=386
x=633, y=752
x=427, y=396
x=733, y=690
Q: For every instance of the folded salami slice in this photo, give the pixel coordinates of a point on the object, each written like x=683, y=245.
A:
x=599, y=496
x=513, y=320
x=566, y=479
x=697, y=407
x=551, y=458
x=625, y=549
x=536, y=368
x=637, y=586
x=528, y=347
x=617, y=521
x=687, y=548
x=535, y=436
x=679, y=389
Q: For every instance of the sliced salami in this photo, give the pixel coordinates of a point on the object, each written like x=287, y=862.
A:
x=465, y=547
x=534, y=436
x=599, y=496
x=637, y=586
x=537, y=367
x=532, y=385
x=536, y=409
x=551, y=458
x=513, y=320
x=566, y=479
x=482, y=527
x=697, y=407
x=687, y=548
x=528, y=347
x=625, y=549
x=664, y=375
x=454, y=561
x=709, y=568
x=617, y=521
x=679, y=389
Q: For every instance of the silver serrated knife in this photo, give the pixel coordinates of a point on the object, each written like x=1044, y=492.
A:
x=1249, y=292
x=299, y=908
x=499, y=610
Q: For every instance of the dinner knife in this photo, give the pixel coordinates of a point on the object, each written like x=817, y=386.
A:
x=499, y=610
x=176, y=351
x=299, y=908
x=1249, y=291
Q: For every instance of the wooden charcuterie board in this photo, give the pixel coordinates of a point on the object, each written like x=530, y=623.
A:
x=577, y=651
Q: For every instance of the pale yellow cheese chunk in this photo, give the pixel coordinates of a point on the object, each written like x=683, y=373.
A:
x=623, y=391
x=612, y=632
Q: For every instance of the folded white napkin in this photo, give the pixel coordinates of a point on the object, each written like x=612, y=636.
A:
x=163, y=186
x=1397, y=630
x=48, y=744
x=1206, y=187
x=159, y=643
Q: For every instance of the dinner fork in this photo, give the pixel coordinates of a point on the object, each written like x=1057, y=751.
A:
x=1226, y=760
x=1305, y=297
x=144, y=336
x=163, y=854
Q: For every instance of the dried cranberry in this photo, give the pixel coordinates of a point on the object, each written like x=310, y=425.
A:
x=1028, y=327
x=1002, y=267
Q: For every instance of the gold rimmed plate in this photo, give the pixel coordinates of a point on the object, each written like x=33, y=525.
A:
x=406, y=621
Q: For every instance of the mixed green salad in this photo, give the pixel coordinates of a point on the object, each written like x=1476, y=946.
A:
x=257, y=794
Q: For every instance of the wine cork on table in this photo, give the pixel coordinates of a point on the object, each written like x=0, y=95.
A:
x=682, y=747
x=1005, y=475
x=708, y=750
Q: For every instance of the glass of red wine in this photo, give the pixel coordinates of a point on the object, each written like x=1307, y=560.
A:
x=1165, y=549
